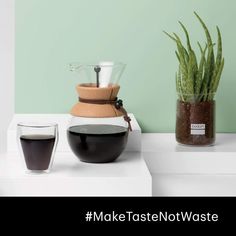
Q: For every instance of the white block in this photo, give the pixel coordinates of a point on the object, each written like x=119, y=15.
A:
x=179, y=170
x=193, y=185
x=128, y=176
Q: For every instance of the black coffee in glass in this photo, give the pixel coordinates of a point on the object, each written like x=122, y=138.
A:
x=37, y=150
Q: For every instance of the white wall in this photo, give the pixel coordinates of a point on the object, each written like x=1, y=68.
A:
x=7, y=58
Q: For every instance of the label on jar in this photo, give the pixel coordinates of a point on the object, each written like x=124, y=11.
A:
x=198, y=129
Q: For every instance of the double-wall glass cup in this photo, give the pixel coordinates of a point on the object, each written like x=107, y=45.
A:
x=37, y=144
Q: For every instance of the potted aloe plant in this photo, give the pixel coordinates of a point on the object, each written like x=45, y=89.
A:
x=196, y=84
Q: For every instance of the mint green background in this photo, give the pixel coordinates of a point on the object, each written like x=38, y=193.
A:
x=52, y=33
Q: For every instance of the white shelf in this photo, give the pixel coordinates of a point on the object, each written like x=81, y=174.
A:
x=191, y=171
x=165, y=142
x=176, y=170
x=128, y=176
x=165, y=156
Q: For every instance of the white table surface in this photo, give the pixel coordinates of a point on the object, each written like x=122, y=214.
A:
x=128, y=176
x=171, y=168
x=164, y=155
x=179, y=170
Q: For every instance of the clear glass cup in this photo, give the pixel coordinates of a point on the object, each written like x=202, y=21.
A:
x=37, y=144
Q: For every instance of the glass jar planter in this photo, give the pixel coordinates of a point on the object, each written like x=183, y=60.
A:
x=195, y=120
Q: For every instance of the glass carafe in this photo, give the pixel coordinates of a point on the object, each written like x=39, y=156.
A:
x=99, y=127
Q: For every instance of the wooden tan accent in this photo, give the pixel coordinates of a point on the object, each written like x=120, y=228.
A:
x=90, y=91
x=95, y=111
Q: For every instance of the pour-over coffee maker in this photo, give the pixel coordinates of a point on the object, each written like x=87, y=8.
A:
x=99, y=127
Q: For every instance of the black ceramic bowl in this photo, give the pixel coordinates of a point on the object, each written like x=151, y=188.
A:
x=97, y=143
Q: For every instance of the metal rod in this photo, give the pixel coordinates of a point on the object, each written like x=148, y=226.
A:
x=97, y=69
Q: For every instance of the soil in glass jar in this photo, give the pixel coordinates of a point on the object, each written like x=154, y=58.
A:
x=195, y=123
x=97, y=143
x=37, y=150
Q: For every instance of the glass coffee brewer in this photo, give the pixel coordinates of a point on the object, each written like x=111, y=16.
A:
x=99, y=127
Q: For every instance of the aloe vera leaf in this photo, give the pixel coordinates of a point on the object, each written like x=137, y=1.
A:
x=200, y=47
x=200, y=91
x=194, y=68
x=205, y=94
x=217, y=79
x=186, y=55
x=212, y=66
x=218, y=57
x=191, y=54
x=181, y=49
x=180, y=85
x=190, y=79
x=194, y=78
x=200, y=71
x=177, y=55
x=183, y=66
x=177, y=84
x=182, y=56
x=204, y=87
x=219, y=48
x=207, y=68
x=170, y=36
x=211, y=62
x=208, y=36
x=183, y=63
x=187, y=36
x=178, y=42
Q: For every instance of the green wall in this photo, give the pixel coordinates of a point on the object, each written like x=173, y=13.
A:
x=52, y=33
